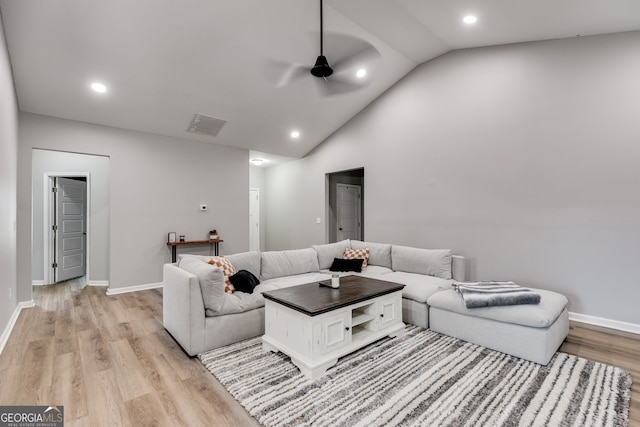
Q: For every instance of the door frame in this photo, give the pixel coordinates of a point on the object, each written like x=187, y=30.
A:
x=359, y=187
x=354, y=176
x=257, y=191
x=49, y=214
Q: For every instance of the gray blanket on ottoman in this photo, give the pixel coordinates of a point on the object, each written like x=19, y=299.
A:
x=488, y=294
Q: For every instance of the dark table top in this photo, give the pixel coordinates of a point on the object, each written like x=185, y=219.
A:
x=313, y=299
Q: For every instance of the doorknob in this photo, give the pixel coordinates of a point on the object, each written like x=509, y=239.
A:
x=340, y=228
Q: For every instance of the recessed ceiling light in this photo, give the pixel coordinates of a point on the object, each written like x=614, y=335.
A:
x=295, y=134
x=257, y=162
x=470, y=19
x=361, y=73
x=98, y=87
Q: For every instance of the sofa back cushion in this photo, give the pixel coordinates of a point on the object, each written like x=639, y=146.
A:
x=249, y=261
x=287, y=263
x=327, y=253
x=432, y=262
x=211, y=279
x=379, y=253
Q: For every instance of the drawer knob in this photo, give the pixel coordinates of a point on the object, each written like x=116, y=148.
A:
x=381, y=314
x=346, y=329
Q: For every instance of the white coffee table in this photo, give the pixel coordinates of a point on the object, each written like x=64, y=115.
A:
x=315, y=325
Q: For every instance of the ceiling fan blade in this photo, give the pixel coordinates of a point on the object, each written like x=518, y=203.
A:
x=334, y=85
x=283, y=73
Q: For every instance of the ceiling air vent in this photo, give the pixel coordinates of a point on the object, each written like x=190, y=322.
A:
x=206, y=125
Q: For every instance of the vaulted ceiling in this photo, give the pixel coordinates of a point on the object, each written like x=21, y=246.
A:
x=164, y=61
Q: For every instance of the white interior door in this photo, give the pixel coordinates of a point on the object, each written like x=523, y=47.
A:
x=70, y=229
x=349, y=212
x=254, y=219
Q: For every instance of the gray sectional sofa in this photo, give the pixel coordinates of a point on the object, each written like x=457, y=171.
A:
x=201, y=316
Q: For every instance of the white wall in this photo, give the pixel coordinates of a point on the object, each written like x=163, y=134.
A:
x=524, y=158
x=156, y=186
x=8, y=185
x=57, y=162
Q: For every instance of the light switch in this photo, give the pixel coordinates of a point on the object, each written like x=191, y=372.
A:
x=318, y=220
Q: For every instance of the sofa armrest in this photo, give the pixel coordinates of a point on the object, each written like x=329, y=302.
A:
x=183, y=308
x=458, y=268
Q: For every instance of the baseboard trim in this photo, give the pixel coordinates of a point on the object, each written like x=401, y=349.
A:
x=98, y=283
x=136, y=288
x=605, y=323
x=12, y=322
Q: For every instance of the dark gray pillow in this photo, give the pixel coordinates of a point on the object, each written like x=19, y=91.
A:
x=244, y=281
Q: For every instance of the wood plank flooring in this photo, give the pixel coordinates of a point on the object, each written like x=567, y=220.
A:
x=110, y=362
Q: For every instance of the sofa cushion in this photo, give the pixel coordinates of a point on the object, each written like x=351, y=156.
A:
x=375, y=270
x=362, y=254
x=326, y=253
x=417, y=287
x=433, y=262
x=211, y=281
x=288, y=263
x=379, y=253
x=249, y=261
x=238, y=302
x=535, y=315
x=227, y=269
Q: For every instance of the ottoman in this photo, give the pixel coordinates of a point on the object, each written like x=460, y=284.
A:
x=529, y=331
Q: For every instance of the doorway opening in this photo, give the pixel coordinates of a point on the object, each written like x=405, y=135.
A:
x=66, y=225
x=345, y=205
x=254, y=219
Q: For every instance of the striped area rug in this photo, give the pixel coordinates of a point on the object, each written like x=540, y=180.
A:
x=423, y=379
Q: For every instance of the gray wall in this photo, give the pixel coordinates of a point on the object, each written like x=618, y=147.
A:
x=524, y=158
x=8, y=184
x=48, y=162
x=156, y=185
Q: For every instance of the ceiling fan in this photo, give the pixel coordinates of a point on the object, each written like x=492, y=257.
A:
x=348, y=54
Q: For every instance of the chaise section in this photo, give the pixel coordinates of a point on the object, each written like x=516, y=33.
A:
x=529, y=331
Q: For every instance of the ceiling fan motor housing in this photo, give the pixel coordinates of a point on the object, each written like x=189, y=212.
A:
x=322, y=68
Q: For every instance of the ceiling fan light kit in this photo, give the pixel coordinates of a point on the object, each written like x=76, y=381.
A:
x=322, y=68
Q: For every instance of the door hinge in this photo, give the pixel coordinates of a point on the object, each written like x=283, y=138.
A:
x=54, y=227
x=54, y=189
x=54, y=265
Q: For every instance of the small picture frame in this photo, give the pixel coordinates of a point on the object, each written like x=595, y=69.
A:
x=171, y=237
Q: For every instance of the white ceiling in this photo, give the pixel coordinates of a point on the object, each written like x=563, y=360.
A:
x=165, y=60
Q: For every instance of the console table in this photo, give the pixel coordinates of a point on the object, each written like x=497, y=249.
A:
x=174, y=246
x=315, y=325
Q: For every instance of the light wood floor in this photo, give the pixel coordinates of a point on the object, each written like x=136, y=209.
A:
x=110, y=362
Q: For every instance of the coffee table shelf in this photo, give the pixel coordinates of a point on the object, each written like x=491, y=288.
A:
x=357, y=319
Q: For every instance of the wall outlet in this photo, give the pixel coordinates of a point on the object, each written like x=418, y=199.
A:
x=203, y=208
